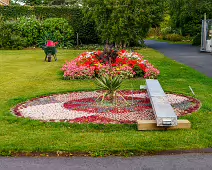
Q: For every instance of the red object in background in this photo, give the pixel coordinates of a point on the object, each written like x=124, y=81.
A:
x=55, y=43
x=50, y=43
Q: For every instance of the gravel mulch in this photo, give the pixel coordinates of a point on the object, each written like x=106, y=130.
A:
x=83, y=107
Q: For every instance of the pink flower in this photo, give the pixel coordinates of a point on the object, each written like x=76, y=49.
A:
x=87, y=65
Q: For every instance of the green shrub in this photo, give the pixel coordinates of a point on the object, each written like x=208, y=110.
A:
x=154, y=32
x=166, y=30
x=29, y=27
x=57, y=29
x=197, y=40
x=173, y=37
x=10, y=37
x=139, y=72
x=84, y=26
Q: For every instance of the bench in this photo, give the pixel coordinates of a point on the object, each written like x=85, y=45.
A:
x=164, y=113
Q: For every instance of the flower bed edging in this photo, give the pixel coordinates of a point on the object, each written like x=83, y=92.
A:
x=52, y=108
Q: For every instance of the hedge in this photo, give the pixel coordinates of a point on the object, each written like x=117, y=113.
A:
x=85, y=27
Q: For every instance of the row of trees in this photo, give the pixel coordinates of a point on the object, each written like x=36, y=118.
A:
x=123, y=22
x=186, y=15
x=126, y=22
x=45, y=2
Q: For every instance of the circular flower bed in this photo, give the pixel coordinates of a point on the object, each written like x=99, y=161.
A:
x=123, y=63
x=83, y=107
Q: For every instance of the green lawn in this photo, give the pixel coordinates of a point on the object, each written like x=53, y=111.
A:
x=24, y=75
x=170, y=42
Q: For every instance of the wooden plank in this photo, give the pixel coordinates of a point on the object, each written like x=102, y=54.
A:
x=152, y=125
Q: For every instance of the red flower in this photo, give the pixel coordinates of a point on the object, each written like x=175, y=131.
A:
x=143, y=67
x=99, y=53
x=123, y=51
x=132, y=63
x=121, y=60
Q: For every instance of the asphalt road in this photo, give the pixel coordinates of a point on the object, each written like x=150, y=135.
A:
x=159, y=162
x=186, y=54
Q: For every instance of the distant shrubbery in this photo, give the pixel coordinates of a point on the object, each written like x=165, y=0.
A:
x=29, y=28
x=183, y=18
x=57, y=29
x=33, y=25
x=197, y=40
x=173, y=37
x=94, y=22
x=10, y=37
x=28, y=31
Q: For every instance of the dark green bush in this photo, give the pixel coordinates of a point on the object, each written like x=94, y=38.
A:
x=94, y=47
x=84, y=26
x=10, y=37
x=139, y=72
x=17, y=42
x=29, y=28
x=197, y=40
x=57, y=29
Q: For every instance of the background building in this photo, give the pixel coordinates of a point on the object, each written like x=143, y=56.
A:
x=4, y=2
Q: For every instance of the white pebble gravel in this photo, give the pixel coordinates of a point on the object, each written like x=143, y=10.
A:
x=51, y=108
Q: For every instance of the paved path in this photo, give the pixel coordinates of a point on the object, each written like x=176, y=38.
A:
x=186, y=54
x=160, y=162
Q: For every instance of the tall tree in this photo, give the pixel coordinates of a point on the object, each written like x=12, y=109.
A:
x=124, y=21
x=186, y=15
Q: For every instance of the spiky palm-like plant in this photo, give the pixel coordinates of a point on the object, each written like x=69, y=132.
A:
x=110, y=84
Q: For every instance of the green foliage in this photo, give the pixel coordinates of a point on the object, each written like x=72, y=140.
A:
x=186, y=15
x=28, y=31
x=49, y=2
x=165, y=26
x=154, y=32
x=124, y=22
x=29, y=27
x=197, y=40
x=41, y=12
x=44, y=38
x=33, y=2
x=139, y=72
x=93, y=47
x=166, y=30
x=65, y=2
x=86, y=29
x=60, y=31
x=173, y=37
x=110, y=84
x=10, y=37
x=5, y=153
x=84, y=26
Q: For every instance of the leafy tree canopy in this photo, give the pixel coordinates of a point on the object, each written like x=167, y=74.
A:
x=124, y=21
x=186, y=15
x=47, y=2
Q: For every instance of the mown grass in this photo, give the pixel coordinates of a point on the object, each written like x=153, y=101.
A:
x=170, y=42
x=24, y=75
